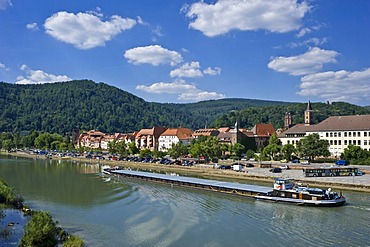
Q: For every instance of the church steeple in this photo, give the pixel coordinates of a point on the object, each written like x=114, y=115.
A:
x=287, y=120
x=308, y=114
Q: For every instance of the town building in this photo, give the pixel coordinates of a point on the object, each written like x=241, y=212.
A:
x=91, y=139
x=148, y=138
x=172, y=136
x=340, y=131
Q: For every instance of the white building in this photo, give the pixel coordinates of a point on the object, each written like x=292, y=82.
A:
x=340, y=131
x=173, y=136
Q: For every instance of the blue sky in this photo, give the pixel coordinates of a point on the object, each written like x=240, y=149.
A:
x=186, y=51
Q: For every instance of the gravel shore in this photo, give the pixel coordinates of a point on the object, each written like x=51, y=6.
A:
x=357, y=183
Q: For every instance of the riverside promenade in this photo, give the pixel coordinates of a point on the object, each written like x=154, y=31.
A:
x=357, y=183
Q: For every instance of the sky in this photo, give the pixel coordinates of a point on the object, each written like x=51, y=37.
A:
x=180, y=51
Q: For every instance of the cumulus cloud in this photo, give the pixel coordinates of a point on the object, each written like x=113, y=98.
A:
x=190, y=70
x=3, y=66
x=32, y=26
x=4, y=4
x=186, y=91
x=278, y=16
x=39, y=77
x=337, y=85
x=85, y=30
x=310, y=62
x=153, y=54
x=210, y=71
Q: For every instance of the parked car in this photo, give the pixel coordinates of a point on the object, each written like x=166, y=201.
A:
x=249, y=165
x=224, y=167
x=341, y=163
x=295, y=161
x=275, y=170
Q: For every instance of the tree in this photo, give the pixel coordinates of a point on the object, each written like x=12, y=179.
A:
x=145, y=152
x=121, y=148
x=355, y=154
x=40, y=231
x=288, y=150
x=249, y=154
x=7, y=144
x=177, y=150
x=237, y=149
x=112, y=147
x=312, y=146
x=132, y=148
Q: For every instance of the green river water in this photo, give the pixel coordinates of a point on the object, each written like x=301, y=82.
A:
x=126, y=212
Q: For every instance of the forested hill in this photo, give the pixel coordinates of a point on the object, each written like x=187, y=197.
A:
x=248, y=117
x=85, y=105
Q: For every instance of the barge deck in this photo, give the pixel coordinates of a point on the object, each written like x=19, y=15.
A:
x=220, y=186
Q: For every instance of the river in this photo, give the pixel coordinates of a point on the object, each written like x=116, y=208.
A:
x=127, y=212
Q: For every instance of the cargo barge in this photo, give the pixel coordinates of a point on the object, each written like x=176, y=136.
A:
x=284, y=190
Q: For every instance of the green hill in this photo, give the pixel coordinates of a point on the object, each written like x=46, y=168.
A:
x=85, y=105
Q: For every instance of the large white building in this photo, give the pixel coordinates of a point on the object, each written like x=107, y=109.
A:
x=173, y=136
x=340, y=131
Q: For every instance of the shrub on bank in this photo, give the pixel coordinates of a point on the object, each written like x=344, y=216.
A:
x=40, y=231
x=9, y=197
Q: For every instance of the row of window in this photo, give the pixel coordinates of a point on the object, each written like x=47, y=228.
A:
x=347, y=134
x=339, y=142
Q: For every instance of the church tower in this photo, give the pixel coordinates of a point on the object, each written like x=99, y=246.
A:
x=308, y=115
x=287, y=120
x=234, y=134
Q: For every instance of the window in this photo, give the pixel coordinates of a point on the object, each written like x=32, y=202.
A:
x=339, y=134
x=335, y=134
x=365, y=143
x=339, y=142
x=365, y=134
x=335, y=142
x=349, y=142
x=359, y=142
x=358, y=133
x=354, y=134
x=345, y=142
x=349, y=134
x=331, y=134
x=327, y=134
x=331, y=142
x=288, y=142
x=345, y=134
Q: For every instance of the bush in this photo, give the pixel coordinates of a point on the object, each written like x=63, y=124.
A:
x=73, y=241
x=8, y=196
x=40, y=231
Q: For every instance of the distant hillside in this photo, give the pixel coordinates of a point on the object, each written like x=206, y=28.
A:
x=61, y=107
x=275, y=115
x=85, y=105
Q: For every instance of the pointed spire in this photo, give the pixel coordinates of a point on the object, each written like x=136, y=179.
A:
x=309, y=107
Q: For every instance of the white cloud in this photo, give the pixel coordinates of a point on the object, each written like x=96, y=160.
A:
x=200, y=96
x=210, y=71
x=32, y=26
x=190, y=70
x=304, y=31
x=186, y=91
x=246, y=15
x=314, y=41
x=39, y=77
x=153, y=54
x=85, y=30
x=4, y=4
x=3, y=66
x=337, y=85
x=310, y=62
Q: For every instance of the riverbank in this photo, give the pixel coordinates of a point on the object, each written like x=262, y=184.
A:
x=257, y=173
